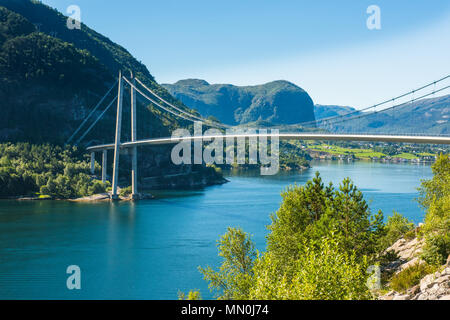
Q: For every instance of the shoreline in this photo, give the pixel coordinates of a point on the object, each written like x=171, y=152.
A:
x=103, y=197
x=383, y=161
x=323, y=155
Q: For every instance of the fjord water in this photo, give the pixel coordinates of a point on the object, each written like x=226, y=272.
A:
x=151, y=249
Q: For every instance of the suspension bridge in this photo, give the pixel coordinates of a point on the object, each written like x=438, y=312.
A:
x=138, y=87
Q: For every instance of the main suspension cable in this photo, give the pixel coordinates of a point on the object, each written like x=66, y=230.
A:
x=178, y=109
x=376, y=105
x=95, y=122
x=91, y=113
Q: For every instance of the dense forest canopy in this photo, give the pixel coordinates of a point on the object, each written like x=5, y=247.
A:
x=46, y=170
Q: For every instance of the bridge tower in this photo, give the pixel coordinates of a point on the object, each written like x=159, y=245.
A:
x=104, y=164
x=134, y=177
x=115, y=179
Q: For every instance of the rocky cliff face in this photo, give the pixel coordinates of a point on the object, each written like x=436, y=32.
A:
x=434, y=286
x=279, y=102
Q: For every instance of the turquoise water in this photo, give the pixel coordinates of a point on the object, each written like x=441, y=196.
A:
x=151, y=249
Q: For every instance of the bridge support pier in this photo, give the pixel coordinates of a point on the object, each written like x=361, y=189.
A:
x=115, y=178
x=104, y=165
x=92, y=163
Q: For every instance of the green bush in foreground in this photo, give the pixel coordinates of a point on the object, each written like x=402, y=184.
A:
x=435, y=198
x=319, y=245
x=411, y=276
x=314, y=211
x=320, y=242
x=436, y=249
x=125, y=192
x=192, y=295
x=235, y=275
x=396, y=227
x=324, y=271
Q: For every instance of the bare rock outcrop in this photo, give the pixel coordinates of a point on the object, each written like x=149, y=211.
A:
x=434, y=286
x=407, y=251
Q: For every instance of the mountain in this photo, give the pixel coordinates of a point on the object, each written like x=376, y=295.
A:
x=51, y=77
x=426, y=116
x=278, y=102
x=327, y=111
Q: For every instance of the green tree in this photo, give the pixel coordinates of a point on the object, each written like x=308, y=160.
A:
x=323, y=271
x=234, y=277
x=435, y=198
x=302, y=209
x=359, y=229
x=314, y=211
x=396, y=227
x=319, y=245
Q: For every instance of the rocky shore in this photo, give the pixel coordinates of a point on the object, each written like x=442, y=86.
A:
x=434, y=286
x=107, y=197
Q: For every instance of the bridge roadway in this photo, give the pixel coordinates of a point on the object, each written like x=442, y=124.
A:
x=284, y=136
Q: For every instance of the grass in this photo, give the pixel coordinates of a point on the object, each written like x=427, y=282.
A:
x=411, y=276
x=361, y=153
x=426, y=154
x=407, y=156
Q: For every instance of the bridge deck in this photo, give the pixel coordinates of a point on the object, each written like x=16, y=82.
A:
x=284, y=136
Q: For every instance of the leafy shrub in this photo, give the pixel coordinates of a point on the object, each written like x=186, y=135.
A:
x=98, y=187
x=324, y=271
x=435, y=198
x=192, y=295
x=233, y=279
x=411, y=276
x=410, y=235
x=436, y=249
x=396, y=227
x=125, y=192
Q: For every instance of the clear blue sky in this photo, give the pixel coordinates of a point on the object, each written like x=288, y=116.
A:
x=322, y=46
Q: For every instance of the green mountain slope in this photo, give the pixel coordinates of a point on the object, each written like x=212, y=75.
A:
x=46, y=66
x=327, y=111
x=278, y=102
x=427, y=116
x=51, y=77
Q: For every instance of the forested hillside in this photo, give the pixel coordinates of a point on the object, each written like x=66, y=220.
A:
x=51, y=77
x=55, y=75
